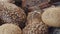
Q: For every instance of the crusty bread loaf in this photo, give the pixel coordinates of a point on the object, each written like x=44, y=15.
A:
x=10, y=29
x=10, y=13
x=51, y=16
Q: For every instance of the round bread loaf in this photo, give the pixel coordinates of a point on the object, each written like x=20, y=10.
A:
x=10, y=13
x=10, y=29
x=36, y=28
x=51, y=16
x=34, y=24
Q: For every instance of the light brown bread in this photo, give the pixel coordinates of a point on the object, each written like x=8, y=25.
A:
x=10, y=29
x=51, y=16
x=34, y=15
x=9, y=1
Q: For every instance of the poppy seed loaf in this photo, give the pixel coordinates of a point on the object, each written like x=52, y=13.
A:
x=34, y=24
x=36, y=28
x=10, y=13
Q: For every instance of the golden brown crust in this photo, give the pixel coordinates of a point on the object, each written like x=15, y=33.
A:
x=51, y=16
x=10, y=29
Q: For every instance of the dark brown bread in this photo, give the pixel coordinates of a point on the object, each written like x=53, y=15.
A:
x=30, y=3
